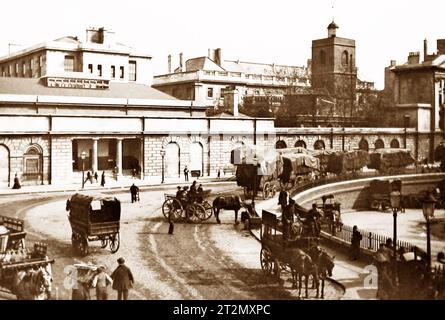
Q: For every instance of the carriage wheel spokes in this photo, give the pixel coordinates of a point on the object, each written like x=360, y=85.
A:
x=194, y=212
x=172, y=207
x=266, y=190
x=103, y=243
x=267, y=263
x=208, y=209
x=114, y=242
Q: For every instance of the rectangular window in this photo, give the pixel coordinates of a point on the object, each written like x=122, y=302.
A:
x=10, y=70
x=99, y=70
x=16, y=69
x=132, y=71
x=24, y=69
x=90, y=68
x=69, y=64
x=113, y=72
x=121, y=72
x=210, y=92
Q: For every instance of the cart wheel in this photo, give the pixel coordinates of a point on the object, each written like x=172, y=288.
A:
x=194, y=212
x=103, y=243
x=266, y=190
x=208, y=208
x=375, y=205
x=114, y=242
x=83, y=246
x=172, y=207
x=267, y=262
x=273, y=191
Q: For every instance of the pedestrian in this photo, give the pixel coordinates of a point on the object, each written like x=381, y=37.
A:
x=96, y=177
x=287, y=218
x=102, y=180
x=218, y=175
x=282, y=200
x=134, y=173
x=17, y=184
x=312, y=219
x=186, y=173
x=355, y=243
x=102, y=281
x=89, y=177
x=123, y=280
x=134, y=190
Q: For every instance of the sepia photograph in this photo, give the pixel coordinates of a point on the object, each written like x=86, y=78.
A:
x=238, y=151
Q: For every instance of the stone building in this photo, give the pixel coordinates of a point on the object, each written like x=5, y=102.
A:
x=204, y=79
x=415, y=94
x=99, y=56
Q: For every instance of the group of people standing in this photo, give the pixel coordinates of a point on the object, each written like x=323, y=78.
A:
x=294, y=223
x=95, y=176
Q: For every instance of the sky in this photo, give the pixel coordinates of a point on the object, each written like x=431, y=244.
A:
x=273, y=31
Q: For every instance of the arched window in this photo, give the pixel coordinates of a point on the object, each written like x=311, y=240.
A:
x=395, y=144
x=172, y=164
x=379, y=144
x=33, y=167
x=300, y=144
x=4, y=166
x=280, y=144
x=319, y=145
x=197, y=157
x=363, y=145
x=345, y=58
x=322, y=57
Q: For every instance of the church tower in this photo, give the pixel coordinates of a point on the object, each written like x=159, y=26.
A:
x=333, y=68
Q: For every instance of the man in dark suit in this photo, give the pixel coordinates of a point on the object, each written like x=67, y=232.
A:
x=122, y=280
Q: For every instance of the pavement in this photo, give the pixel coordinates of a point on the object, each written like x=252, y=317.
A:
x=123, y=182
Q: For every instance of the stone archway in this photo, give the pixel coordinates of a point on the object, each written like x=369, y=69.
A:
x=300, y=144
x=172, y=163
x=33, y=165
x=363, y=145
x=4, y=166
x=319, y=145
x=196, y=157
x=379, y=144
x=280, y=144
x=395, y=144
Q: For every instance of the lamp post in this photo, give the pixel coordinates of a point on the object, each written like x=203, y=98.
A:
x=255, y=164
x=83, y=156
x=428, y=207
x=395, y=205
x=162, y=155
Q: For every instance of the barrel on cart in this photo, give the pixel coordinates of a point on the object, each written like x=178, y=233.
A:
x=94, y=218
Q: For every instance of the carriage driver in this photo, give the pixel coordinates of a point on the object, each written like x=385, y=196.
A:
x=312, y=219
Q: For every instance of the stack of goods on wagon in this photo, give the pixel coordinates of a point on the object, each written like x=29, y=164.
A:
x=339, y=162
x=386, y=160
x=297, y=164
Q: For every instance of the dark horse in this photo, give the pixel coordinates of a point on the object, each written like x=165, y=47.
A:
x=325, y=264
x=301, y=265
x=227, y=203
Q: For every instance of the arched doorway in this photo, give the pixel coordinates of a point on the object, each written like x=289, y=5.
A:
x=196, y=157
x=379, y=144
x=172, y=160
x=363, y=145
x=319, y=145
x=33, y=165
x=395, y=144
x=300, y=144
x=280, y=144
x=236, y=155
x=4, y=166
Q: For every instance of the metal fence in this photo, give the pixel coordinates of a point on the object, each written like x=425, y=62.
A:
x=370, y=240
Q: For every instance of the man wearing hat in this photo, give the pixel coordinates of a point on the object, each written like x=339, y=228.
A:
x=122, y=280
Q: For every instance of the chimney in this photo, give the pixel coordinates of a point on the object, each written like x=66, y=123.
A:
x=414, y=58
x=181, y=64
x=169, y=63
x=425, y=49
x=440, y=46
x=92, y=35
x=393, y=63
x=218, y=57
x=108, y=36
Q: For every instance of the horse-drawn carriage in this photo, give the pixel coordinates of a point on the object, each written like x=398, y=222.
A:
x=331, y=213
x=380, y=191
x=192, y=209
x=301, y=255
x=94, y=218
x=24, y=272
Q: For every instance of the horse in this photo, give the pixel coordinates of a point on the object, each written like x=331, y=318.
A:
x=33, y=284
x=301, y=265
x=227, y=203
x=325, y=264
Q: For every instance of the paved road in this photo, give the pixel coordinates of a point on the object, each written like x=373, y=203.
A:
x=202, y=261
